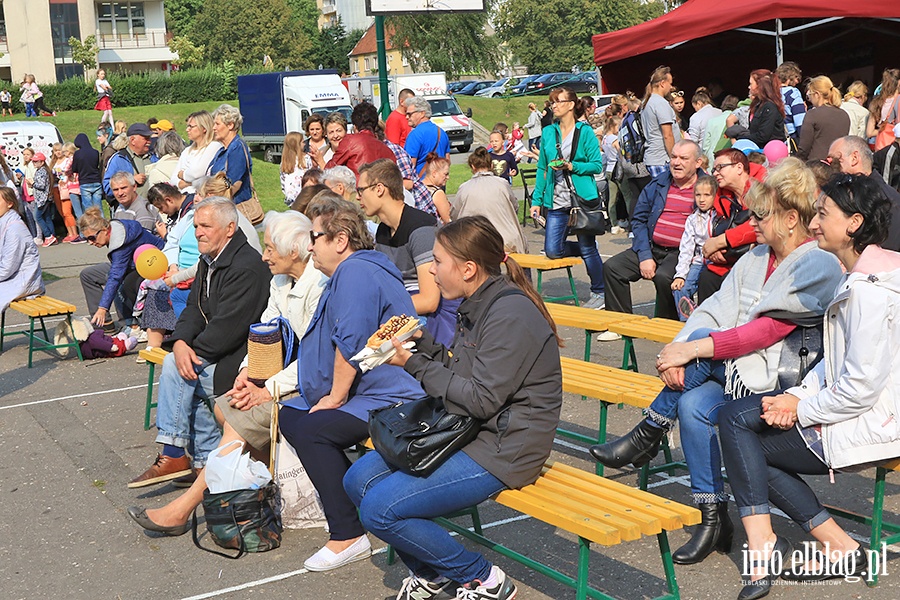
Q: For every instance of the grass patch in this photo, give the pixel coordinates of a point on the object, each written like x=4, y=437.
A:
x=49, y=277
x=489, y=111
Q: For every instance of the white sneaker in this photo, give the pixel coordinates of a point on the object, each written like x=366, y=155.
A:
x=415, y=588
x=504, y=590
x=615, y=229
x=326, y=560
x=142, y=336
x=608, y=336
x=596, y=302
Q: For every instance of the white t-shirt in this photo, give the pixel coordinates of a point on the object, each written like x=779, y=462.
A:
x=657, y=113
x=101, y=85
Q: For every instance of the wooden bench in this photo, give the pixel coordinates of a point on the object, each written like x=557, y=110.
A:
x=40, y=308
x=656, y=329
x=541, y=263
x=876, y=521
x=153, y=356
x=596, y=510
x=591, y=321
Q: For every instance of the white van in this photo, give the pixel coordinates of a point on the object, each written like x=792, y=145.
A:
x=16, y=136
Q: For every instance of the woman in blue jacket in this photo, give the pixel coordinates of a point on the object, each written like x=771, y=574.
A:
x=574, y=143
x=122, y=238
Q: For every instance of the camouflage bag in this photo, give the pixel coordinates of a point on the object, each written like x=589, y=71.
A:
x=243, y=520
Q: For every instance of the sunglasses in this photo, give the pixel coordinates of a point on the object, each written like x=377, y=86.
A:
x=679, y=93
x=760, y=216
x=91, y=238
x=314, y=235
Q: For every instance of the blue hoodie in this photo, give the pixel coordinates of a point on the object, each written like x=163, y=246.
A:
x=365, y=291
x=121, y=257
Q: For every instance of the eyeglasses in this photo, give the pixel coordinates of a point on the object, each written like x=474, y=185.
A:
x=721, y=166
x=360, y=190
x=561, y=101
x=760, y=216
x=314, y=235
x=189, y=126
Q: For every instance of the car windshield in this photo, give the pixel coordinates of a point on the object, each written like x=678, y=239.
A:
x=324, y=112
x=444, y=107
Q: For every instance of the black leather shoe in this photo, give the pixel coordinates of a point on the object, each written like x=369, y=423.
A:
x=852, y=564
x=139, y=514
x=637, y=447
x=753, y=590
x=715, y=532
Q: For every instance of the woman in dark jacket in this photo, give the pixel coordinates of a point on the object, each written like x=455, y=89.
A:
x=86, y=164
x=513, y=386
x=766, y=109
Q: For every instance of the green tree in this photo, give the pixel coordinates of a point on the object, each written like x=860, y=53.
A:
x=189, y=55
x=555, y=36
x=244, y=31
x=453, y=43
x=180, y=15
x=334, y=45
x=85, y=53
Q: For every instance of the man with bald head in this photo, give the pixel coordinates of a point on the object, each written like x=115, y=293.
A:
x=851, y=155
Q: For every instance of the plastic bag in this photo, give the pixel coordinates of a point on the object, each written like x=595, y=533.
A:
x=228, y=469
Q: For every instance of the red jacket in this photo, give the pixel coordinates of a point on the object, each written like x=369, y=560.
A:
x=743, y=233
x=358, y=149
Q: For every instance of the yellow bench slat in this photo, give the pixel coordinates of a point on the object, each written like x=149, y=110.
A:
x=154, y=355
x=588, y=318
x=42, y=306
x=547, y=512
x=629, y=530
x=539, y=261
x=657, y=330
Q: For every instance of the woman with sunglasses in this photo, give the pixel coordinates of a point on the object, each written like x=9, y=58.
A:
x=730, y=347
x=840, y=415
x=573, y=148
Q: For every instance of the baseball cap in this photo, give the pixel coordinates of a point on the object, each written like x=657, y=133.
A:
x=163, y=125
x=39, y=156
x=139, y=129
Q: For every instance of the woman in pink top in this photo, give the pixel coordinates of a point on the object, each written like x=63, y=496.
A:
x=730, y=348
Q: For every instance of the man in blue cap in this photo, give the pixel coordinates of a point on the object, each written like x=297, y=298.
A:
x=133, y=159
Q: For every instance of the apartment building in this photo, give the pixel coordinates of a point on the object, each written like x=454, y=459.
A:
x=364, y=56
x=34, y=36
x=351, y=12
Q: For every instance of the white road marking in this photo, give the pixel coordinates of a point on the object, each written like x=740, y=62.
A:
x=122, y=389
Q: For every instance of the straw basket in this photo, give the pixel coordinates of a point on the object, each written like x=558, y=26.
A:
x=265, y=352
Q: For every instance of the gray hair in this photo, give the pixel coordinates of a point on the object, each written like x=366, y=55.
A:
x=119, y=176
x=168, y=143
x=696, y=147
x=341, y=174
x=289, y=232
x=225, y=210
x=854, y=143
x=419, y=103
x=229, y=115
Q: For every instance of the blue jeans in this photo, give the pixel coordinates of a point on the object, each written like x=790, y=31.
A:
x=75, y=199
x=398, y=508
x=697, y=410
x=91, y=195
x=556, y=246
x=29, y=110
x=182, y=417
x=763, y=464
x=690, y=286
x=44, y=217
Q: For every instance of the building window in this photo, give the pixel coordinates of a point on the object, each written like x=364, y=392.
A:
x=63, y=25
x=368, y=62
x=124, y=19
x=2, y=24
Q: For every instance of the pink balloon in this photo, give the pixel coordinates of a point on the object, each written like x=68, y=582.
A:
x=775, y=151
x=140, y=249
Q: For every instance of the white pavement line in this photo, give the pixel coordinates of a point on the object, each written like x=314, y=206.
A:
x=47, y=321
x=122, y=389
x=258, y=582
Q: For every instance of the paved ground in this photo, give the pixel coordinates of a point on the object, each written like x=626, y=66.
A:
x=71, y=436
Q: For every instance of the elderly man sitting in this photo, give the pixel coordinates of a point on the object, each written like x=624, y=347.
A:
x=657, y=223
x=228, y=295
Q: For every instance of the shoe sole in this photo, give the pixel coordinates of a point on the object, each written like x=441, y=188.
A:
x=352, y=559
x=160, y=479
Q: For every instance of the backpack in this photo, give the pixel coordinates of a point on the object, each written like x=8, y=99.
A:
x=631, y=138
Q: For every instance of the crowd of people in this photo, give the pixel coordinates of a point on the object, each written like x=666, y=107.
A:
x=756, y=224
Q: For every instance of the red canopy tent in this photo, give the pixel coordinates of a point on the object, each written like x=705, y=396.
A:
x=710, y=38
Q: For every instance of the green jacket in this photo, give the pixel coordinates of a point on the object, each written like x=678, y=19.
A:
x=586, y=162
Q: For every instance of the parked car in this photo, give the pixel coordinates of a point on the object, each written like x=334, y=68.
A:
x=456, y=85
x=504, y=86
x=474, y=86
x=519, y=88
x=579, y=83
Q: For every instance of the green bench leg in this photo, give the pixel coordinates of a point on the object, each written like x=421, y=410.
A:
x=629, y=358
x=581, y=580
x=601, y=433
x=540, y=280
x=877, y=521
x=572, y=285
x=2, y=329
x=668, y=566
x=30, y=340
x=150, y=403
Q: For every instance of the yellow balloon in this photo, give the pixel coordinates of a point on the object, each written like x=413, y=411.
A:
x=152, y=264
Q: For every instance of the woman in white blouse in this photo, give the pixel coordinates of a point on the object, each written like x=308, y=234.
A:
x=196, y=157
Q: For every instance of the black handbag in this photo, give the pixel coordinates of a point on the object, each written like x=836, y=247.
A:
x=588, y=217
x=417, y=437
x=243, y=520
x=738, y=215
x=800, y=351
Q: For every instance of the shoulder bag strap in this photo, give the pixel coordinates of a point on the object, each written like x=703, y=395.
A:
x=249, y=166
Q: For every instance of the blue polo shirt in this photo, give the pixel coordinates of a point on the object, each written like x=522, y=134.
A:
x=426, y=137
x=235, y=156
x=365, y=291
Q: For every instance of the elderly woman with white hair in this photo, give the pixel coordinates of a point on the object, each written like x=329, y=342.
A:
x=233, y=158
x=341, y=180
x=246, y=410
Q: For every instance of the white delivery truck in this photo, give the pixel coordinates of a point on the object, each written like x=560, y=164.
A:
x=445, y=112
x=274, y=104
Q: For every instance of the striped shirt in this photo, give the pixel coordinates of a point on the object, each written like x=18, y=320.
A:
x=670, y=225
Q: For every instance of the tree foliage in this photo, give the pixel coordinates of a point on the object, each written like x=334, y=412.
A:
x=244, y=31
x=85, y=53
x=180, y=15
x=555, y=36
x=335, y=43
x=189, y=55
x=454, y=43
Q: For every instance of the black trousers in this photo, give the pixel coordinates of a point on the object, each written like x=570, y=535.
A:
x=708, y=284
x=320, y=439
x=623, y=269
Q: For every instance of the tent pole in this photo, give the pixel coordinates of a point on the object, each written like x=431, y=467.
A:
x=779, y=48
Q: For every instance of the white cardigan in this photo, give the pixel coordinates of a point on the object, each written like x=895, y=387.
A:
x=194, y=163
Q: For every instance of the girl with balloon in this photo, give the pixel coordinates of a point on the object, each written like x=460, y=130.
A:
x=122, y=238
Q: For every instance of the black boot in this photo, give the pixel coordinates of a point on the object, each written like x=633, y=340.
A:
x=637, y=447
x=715, y=532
